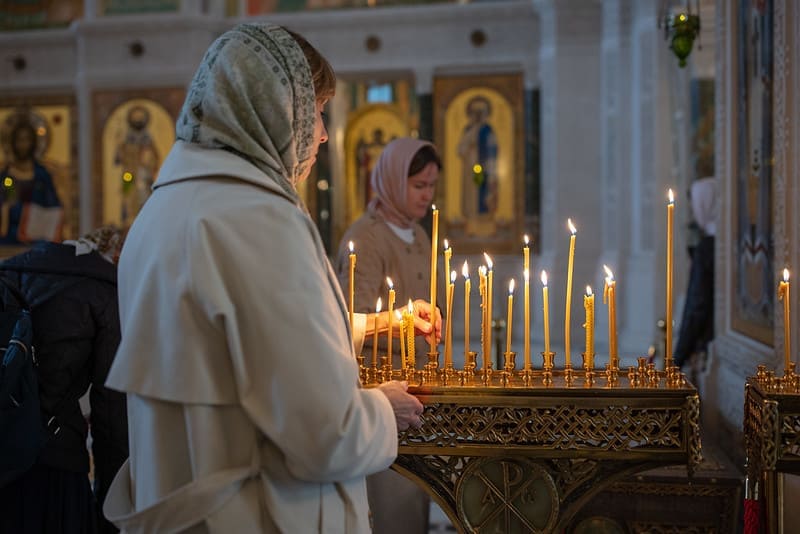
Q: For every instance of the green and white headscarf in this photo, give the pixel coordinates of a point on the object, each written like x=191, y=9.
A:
x=253, y=95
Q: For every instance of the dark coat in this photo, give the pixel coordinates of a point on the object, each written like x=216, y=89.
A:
x=76, y=334
x=697, y=323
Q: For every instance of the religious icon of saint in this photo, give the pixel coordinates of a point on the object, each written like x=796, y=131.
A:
x=477, y=149
x=138, y=157
x=30, y=209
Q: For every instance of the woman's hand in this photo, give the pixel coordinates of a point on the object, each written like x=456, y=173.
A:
x=407, y=408
x=425, y=322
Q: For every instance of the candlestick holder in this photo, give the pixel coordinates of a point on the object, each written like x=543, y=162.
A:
x=362, y=369
x=588, y=361
x=612, y=375
x=547, y=365
x=788, y=372
x=432, y=366
x=568, y=374
x=527, y=377
x=641, y=370
x=486, y=374
x=386, y=369
x=652, y=375
x=467, y=376
x=588, y=378
x=509, y=364
x=373, y=374
x=633, y=377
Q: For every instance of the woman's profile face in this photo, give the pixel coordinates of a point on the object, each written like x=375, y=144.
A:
x=320, y=136
x=420, y=190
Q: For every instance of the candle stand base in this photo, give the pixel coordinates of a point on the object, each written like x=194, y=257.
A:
x=374, y=375
x=449, y=375
x=362, y=369
x=486, y=375
x=569, y=376
x=432, y=367
x=547, y=366
x=633, y=377
x=527, y=377
x=588, y=378
x=612, y=375
x=509, y=364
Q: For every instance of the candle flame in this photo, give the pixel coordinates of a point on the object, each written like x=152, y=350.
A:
x=526, y=275
x=482, y=270
x=378, y=305
x=453, y=277
x=572, y=227
x=488, y=261
x=398, y=315
x=785, y=275
x=671, y=196
x=446, y=244
x=465, y=270
x=433, y=207
x=525, y=239
x=511, y=287
x=609, y=274
x=544, y=278
x=350, y=244
x=389, y=283
x=410, y=306
x=588, y=291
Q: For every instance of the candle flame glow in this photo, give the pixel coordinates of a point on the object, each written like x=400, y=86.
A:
x=482, y=270
x=525, y=239
x=433, y=207
x=588, y=291
x=446, y=244
x=488, y=261
x=398, y=315
x=378, y=305
x=453, y=277
x=671, y=196
x=511, y=287
x=785, y=275
x=572, y=227
x=410, y=306
x=465, y=270
x=544, y=278
x=389, y=283
x=526, y=275
x=609, y=274
x=350, y=244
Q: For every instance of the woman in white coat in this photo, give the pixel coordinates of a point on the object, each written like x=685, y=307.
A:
x=245, y=411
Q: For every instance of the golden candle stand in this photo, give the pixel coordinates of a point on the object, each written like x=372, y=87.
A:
x=523, y=451
x=772, y=434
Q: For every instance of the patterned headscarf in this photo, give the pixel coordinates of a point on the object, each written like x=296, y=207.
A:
x=390, y=180
x=253, y=95
x=106, y=240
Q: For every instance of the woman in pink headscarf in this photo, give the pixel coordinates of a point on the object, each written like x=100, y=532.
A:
x=390, y=242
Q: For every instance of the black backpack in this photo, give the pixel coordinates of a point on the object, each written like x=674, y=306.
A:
x=23, y=431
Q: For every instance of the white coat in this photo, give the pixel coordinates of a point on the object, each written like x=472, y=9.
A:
x=245, y=412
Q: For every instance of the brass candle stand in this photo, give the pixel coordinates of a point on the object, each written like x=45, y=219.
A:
x=509, y=365
x=547, y=367
x=588, y=369
x=772, y=435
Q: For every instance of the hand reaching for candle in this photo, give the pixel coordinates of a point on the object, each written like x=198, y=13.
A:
x=407, y=408
x=422, y=320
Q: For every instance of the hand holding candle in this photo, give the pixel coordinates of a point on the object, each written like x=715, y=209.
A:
x=588, y=306
x=390, y=307
x=783, y=294
x=546, y=310
x=510, y=313
x=568, y=306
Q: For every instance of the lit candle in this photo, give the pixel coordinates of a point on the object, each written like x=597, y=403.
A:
x=401, y=326
x=411, y=348
x=352, y=284
x=390, y=307
x=546, y=309
x=510, y=313
x=670, y=247
x=482, y=288
x=609, y=297
x=467, y=288
x=527, y=325
x=489, y=296
x=568, y=307
x=434, y=248
x=783, y=294
x=588, y=306
x=526, y=254
x=448, y=336
x=375, y=334
x=448, y=253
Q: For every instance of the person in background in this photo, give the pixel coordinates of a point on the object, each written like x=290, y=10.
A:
x=246, y=413
x=391, y=243
x=72, y=290
x=697, y=323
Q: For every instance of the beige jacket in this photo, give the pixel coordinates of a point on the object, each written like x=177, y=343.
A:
x=245, y=413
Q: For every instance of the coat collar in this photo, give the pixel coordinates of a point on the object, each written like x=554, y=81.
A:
x=187, y=161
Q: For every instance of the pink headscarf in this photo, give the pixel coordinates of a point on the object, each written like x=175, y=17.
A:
x=390, y=180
